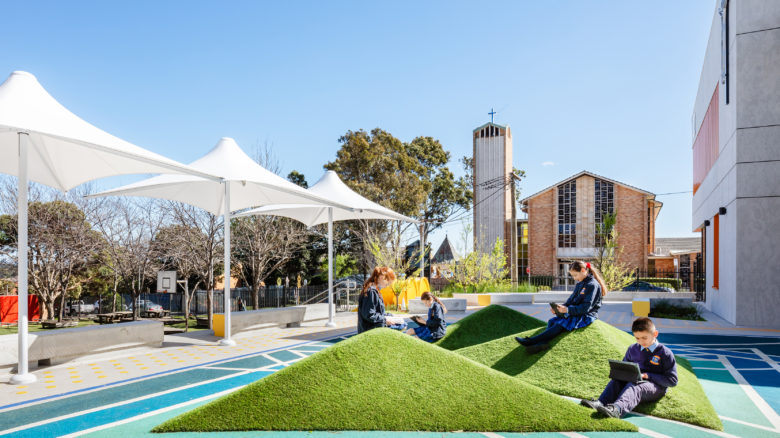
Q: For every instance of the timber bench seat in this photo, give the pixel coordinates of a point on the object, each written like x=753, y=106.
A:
x=251, y=319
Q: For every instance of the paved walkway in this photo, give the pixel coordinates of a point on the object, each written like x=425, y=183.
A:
x=126, y=394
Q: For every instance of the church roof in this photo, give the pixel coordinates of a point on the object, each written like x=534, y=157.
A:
x=669, y=246
x=489, y=124
x=445, y=253
x=585, y=172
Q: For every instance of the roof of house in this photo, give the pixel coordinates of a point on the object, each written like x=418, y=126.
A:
x=445, y=253
x=668, y=246
x=585, y=172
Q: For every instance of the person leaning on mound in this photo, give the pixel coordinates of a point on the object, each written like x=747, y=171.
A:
x=579, y=310
x=435, y=327
x=658, y=367
x=371, y=307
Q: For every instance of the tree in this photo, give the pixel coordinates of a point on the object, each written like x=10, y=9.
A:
x=608, y=253
x=297, y=178
x=60, y=247
x=344, y=265
x=479, y=269
x=262, y=244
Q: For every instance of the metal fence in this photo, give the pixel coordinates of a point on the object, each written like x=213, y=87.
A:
x=268, y=297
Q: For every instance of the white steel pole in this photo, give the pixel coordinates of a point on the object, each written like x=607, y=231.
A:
x=22, y=376
x=226, y=339
x=330, y=323
x=422, y=249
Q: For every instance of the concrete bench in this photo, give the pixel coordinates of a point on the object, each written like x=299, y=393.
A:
x=46, y=348
x=252, y=319
x=640, y=307
x=496, y=298
x=452, y=304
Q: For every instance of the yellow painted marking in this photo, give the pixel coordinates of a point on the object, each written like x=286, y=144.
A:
x=102, y=377
x=144, y=368
x=73, y=372
x=48, y=381
x=21, y=386
x=181, y=361
x=164, y=364
x=91, y=364
x=123, y=372
x=22, y=392
x=76, y=381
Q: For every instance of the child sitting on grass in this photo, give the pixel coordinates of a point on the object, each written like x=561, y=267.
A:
x=658, y=367
x=435, y=327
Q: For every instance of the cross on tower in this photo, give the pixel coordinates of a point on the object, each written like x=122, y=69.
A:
x=492, y=113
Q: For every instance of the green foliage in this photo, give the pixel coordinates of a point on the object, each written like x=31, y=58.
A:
x=480, y=270
x=674, y=283
x=354, y=384
x=613, y=271
x=296, y=177
x=393, y=256
x=492, y=322
x=576, y=366
x=503, y=286
x=671, y=310
x=344, y=265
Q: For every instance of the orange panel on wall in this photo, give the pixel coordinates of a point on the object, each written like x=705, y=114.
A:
x=9, y=309
x=706, y=145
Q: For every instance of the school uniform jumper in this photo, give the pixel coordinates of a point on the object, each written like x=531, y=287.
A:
x=371, y=310
x=661, y=368
x=583, y=308
x=435, y=327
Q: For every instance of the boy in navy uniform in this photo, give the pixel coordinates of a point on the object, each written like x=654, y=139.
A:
x=658, y=367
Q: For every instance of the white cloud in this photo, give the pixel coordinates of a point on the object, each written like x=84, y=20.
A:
x=548, y=164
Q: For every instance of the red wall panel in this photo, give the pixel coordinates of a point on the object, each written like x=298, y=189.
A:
x=9, y=308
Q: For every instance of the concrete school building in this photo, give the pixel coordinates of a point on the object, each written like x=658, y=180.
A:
x=563, y=219
x=736, y=162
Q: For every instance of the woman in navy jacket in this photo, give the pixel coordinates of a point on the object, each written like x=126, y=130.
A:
x=371, y=307
x=435, y=327
x=579, y=310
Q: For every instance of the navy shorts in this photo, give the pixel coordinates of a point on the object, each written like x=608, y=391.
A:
x=423, y=333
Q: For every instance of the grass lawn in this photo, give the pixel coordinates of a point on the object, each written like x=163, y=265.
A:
x=492, y=322
x=36, y=327
x=576, y=365
x=385, y=380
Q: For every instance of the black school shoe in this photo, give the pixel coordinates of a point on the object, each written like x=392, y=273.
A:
x=590, y=403
x=609, y=410
x=525, y=342
x=536, y=348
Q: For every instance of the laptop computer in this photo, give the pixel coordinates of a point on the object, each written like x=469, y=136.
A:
x=625, y=371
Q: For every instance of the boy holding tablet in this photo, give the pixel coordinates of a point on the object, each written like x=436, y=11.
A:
x=658, y=367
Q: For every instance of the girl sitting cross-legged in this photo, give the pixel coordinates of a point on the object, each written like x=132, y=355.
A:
x=435, y=327
x=579, y=310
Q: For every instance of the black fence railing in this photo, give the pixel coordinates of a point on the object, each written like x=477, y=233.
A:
x=270, y=296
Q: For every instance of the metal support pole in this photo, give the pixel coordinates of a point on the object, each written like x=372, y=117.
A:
x=513, y=236
x=422, y=249
x=330, y=322
x=226, y=339
x=22, y=376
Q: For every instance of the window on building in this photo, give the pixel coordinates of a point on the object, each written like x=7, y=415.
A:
x=567, y=215
x=648, y=225
x=604, y=204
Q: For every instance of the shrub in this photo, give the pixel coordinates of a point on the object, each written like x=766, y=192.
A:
x=675, y=283
x=671, y=310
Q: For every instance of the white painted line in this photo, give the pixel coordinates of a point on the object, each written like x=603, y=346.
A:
x=757, y=400
x=303, y=356
x=573, y=434
x=230, y=369
x=767, y=359
x=149, y=414
x=680, y=423
x=757, y=426
x=740, y=369
x=716, y=346
x=653, y=434
x=124, y=402
x=492, y=435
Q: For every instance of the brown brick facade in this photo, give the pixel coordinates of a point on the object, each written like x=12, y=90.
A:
x=541, y=233
x=631, y=223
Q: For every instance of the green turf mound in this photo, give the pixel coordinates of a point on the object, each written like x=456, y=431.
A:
x=492, y=322
x=386, y=380
x=576, y=366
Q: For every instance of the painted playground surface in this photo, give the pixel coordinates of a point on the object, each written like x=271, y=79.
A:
x=739, y=373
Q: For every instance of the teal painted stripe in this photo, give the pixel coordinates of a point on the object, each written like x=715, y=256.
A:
x=110, y=415
x=666, y=428
x=248, y=363
x=96, y=399
x=747, y=431
x=728, y=398
x=284, y=356
x=707, y=364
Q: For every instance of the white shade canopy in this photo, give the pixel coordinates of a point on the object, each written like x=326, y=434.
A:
x=250, y=184
x=330, y=186
x=64, y=150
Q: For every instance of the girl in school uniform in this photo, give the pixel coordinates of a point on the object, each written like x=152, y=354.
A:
x=579, y=310
x=435, y=327
x=371, y=307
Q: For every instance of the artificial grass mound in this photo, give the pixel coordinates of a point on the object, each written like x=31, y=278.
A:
x=386, y=380
x=492, y=322
x=576, y=366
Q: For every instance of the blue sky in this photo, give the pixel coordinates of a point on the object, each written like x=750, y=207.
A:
x=605, y=86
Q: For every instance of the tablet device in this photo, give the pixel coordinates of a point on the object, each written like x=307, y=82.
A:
x=625, y=371
x=554, y=307
x=418, y=320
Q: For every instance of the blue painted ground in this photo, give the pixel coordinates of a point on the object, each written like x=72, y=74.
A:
x=717, y=360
